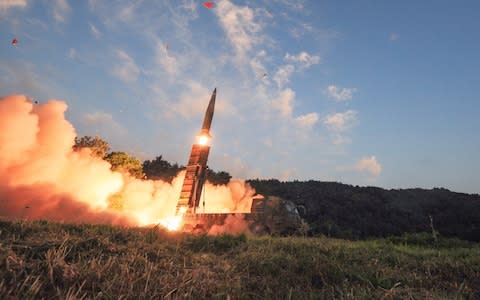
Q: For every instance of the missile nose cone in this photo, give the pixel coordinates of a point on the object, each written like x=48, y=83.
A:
x=215, y=91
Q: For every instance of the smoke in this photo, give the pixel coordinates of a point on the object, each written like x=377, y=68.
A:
x=236, y=197
x=233, y=224
x=41, y=177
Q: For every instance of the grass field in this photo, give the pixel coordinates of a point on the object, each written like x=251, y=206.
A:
x=63, y=261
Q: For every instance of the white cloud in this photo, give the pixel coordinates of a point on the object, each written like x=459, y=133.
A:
x=257, y=67
x=307, y=121
x=340, y=121
x=7, y=4
x=72, y=53
x=340, y=94
x=369, y=164
x=282, y=76
x=284, y=103
x=304, y=59
x=60, y=10
x=126, y=70
x=239, y=24
x=96, y=33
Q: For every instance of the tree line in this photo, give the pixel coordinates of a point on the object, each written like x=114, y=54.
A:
x=331, y=208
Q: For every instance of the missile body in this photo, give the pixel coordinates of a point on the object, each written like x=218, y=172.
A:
x=196, y=171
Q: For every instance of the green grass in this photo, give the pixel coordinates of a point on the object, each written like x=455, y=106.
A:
x=50, y=260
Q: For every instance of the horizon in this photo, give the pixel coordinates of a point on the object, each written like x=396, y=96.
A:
x=377, y=95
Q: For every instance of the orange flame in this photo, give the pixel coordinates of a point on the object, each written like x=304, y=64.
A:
x=174, y=223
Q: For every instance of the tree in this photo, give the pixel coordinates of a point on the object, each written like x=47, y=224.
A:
x=121, y=161
x=161, y=169
x=98, y=146
x=220, y=177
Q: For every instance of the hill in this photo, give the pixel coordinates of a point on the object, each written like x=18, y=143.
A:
x=42, y=260
x=346, y=211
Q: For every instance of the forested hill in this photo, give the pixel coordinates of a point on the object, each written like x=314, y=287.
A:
x=347, y=211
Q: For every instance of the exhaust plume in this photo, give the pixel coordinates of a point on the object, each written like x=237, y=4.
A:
x=42, y=177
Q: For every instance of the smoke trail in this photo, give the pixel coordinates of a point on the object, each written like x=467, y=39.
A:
x=41, y=177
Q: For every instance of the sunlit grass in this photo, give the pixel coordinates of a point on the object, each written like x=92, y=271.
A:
x=49, y=260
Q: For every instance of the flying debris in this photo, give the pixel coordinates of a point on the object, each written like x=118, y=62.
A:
x=14, y=42
x=209, y=4
x=165, y=47
x=264, y=75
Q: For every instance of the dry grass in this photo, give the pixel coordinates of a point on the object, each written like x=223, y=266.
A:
x=42, y=260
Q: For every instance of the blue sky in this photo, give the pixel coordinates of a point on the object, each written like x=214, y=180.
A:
x=360, y=92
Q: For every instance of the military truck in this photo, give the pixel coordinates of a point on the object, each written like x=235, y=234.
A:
x=269, y=215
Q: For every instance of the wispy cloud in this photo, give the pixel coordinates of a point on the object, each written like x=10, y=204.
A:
x=240, y=25
x=295, y=63
x=282, y=76
x=7, y=4
x=127, y=70
x=369, y=164
x=307, y=121
x=60, y=10
x=303, y=59
x=340, y=94
x=340, y=121
x=284, y=103
x=96, y=33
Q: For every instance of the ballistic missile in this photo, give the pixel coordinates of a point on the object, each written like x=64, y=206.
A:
x=207, y=120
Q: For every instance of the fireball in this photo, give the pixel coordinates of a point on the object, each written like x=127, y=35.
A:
x=203, y=140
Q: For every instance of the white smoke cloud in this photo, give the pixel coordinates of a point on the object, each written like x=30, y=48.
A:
x=42, y=177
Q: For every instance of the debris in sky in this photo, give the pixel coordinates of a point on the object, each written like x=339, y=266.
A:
x=209, y=4
x=15, y=42
x=264, y=75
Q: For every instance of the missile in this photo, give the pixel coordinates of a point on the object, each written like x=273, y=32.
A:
x=207, y=120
